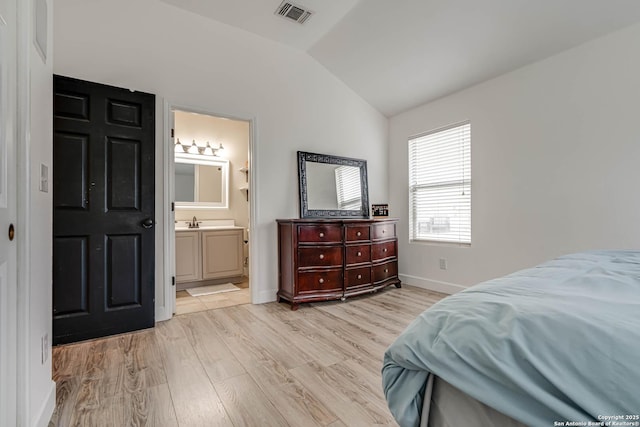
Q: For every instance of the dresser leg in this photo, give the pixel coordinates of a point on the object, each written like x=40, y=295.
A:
x=399, y=285
x=294, y=306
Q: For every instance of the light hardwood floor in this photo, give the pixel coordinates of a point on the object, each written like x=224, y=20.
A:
x=246, y=365
x=185, y=303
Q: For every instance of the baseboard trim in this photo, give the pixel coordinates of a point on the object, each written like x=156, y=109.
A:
x=432, y=285
x=161, y=314
x=48, y=406
x=268, y=295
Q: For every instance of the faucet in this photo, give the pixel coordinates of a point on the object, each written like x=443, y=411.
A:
x=194, y=223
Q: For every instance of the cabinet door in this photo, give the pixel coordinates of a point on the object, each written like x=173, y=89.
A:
x=188, y=256
x=221, y=254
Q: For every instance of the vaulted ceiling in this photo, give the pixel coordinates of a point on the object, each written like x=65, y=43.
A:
x=397, y=54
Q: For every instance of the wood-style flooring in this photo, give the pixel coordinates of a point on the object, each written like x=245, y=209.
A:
x=185, y=303
x=246, y=365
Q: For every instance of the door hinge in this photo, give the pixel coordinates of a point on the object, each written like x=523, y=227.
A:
x=173, y=280
x=173, y=206
x=173, y=133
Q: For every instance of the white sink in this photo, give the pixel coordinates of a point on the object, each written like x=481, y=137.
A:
x=208, y=227
x=211, y=224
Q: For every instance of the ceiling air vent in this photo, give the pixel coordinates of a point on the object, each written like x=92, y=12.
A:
x=294, y=12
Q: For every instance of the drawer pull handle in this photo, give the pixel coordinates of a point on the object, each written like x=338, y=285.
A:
x=386, y=270
x=359, y=276
x=321, y=234
x=384, y=250
x=359, y=253
x=359, y=234
x=321, y=280
x=384, y=231
x=321, y=256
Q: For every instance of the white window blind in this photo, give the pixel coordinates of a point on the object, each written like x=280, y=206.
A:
x=348, y=187
x=440, y=185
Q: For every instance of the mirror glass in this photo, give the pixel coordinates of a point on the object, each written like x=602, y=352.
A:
x=332, y=186
x=201, y=182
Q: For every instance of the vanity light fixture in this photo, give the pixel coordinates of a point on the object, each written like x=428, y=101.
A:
x=194, y=148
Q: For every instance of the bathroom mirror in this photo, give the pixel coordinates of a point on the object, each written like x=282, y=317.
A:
x=201, y=182
x=332, y=186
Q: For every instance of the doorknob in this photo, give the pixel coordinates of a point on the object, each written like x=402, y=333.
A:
x=147, y=223
x=12, y=232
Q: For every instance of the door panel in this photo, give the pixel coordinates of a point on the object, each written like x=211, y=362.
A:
x=124, y=113
x=104, y=190
x=123, y=175
x=72, y=106
x=123, y=274
x=71, y=267
x=71, y=151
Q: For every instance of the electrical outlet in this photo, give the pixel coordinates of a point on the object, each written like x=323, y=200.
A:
x=443, y=263
x=45, y=348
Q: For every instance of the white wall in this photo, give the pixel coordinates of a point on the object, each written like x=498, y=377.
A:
x=193, y=61
x=36, y=389
x=555, y=163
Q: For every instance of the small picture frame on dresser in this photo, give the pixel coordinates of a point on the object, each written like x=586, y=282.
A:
x=380, y=210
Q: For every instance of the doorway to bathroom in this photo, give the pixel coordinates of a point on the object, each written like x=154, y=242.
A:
x=211, y=217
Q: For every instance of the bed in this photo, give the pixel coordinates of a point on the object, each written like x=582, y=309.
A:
x=557, y=344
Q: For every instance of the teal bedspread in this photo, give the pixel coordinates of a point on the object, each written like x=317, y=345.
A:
x=555, y=343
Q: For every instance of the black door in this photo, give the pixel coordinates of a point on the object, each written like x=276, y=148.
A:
x=103, y=210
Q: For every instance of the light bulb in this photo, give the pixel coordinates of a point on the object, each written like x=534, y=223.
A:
x=208, y=150
x=193, y=149
x=178, y=147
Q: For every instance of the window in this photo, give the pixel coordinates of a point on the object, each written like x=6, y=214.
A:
x=348, y=187
x=440, y=185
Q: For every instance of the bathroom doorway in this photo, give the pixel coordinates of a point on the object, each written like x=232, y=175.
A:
x=210, y=181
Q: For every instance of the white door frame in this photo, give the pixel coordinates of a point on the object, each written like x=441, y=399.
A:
x=11, y=116
x=169, y=197
x=23, y=185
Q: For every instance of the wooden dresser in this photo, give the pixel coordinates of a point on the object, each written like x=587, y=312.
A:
x=328, y=259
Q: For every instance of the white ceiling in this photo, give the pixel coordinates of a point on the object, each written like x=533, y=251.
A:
x=397, y=54
x=257, y=16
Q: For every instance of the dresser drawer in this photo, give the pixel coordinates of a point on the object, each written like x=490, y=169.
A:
x=320, y=233
x=358, y=254
x=354, y=233
x=386, y=230
x=319, y=256
x=329, y=280
x=356, y=277
x=385, y=271
x=383, y=231
x=383, y=250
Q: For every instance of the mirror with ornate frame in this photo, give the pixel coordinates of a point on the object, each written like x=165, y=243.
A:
x=332, y=186
x=201, y=182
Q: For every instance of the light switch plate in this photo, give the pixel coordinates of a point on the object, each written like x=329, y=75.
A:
x=44, y=178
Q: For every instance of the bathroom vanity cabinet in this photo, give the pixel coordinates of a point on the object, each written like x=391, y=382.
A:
x=188, y=258
x=206, y=256
x=328, y=259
